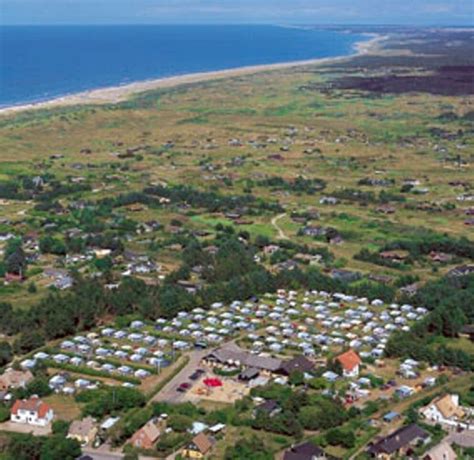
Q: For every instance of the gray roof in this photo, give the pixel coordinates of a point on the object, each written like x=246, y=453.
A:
x=398, y=439
x=225, y=355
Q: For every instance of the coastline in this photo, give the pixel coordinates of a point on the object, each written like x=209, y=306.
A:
x=116, y=94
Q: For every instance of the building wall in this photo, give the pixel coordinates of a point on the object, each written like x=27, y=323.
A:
x=31, y=418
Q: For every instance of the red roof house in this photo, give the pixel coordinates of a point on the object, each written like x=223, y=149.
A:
x=31, y=411
x=350, y=362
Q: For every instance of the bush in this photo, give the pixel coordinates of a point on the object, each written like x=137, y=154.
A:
x=60, y=427
x=338, y=437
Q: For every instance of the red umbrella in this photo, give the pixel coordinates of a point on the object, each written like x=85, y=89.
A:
x=212, y=382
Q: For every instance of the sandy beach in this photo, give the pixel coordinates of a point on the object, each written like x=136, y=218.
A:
x=116, y=94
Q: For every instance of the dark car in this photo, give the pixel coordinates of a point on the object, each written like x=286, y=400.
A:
x=196, y=374
x=184, y=387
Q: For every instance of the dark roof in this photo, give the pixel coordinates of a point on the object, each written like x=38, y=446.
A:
x=249, y=373
x=461, y=270
x=268, y=406
x=305, y=451
x=235, y=354
x=299, y=363
x=398, y=439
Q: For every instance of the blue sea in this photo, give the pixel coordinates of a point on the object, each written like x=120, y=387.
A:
x=38, y=63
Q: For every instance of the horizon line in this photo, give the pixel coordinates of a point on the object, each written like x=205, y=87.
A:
x=54, y=24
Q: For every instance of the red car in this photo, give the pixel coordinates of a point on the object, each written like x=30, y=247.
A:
x=184, y=387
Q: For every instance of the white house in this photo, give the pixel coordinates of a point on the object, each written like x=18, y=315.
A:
x=31, y=411
x=350, y=363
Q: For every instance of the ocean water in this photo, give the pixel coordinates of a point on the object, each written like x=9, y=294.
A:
x=38, y=63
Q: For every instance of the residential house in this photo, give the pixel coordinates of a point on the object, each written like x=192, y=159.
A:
x=14, y=379
x=444, y=409
x=298, y=363
x=31, y=411
x=350, y=362
x=442, y=451
x=400, y=443
x=305, y=451
x=199, y=447
x=84, y=430
x=234, y=356
x=269, y=408
x=146, y=436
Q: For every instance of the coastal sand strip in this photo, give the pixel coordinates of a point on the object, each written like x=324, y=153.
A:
x=120, y=93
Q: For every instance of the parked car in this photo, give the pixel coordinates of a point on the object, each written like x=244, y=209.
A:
x=184, y=387
x=196, y=374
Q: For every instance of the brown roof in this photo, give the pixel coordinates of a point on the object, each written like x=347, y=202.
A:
x=442, y=451
x=14, y=379
x=447, y=407
x=398, y=255
x=349, y=360
x=203, y=443
x=146, y=436
x=82, y=427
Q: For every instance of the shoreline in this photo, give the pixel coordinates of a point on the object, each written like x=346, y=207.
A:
x=116, y=94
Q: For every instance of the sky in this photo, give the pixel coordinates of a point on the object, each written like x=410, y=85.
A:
x=422, y=12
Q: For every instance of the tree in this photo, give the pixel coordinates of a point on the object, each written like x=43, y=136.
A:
x=296, y=378
x=248, y=448
x=337, y=437
x=180, y=423
x=24, y=447
x=38, y=386
x=14, y=257
x=6, y=354
x=57, y=447
x=28, y=341
x=60, y=427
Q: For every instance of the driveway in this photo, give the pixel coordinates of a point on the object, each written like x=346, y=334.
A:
x=25, y=429
x=169, y=393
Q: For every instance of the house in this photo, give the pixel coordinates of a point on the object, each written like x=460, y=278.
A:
x=146, y=436
x=84, y=430
x=442, y=451
x=350, y=363
x=31, y=411
x=441, y=257
x=346, y=276
x=305, y=451
x=14, y=379
x=269, y=408
x=444, y=409
x=467, y=332
x=461, y=270
x=298, y=363
x=199, y=447
x=234, y=356
x=395, y=256
x=399, y=443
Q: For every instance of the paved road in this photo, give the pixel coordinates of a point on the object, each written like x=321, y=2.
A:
x=281, y=233
x=102, y=454
x=169, y=393
x=463, y=439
